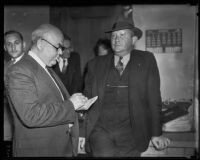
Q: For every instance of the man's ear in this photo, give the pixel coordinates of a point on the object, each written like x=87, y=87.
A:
x=134, y=40
x=39, y=44
x=24, y=46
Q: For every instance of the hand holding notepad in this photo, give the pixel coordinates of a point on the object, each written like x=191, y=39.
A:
x=89, y=102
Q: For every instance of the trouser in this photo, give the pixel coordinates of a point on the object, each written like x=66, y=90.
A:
x=115, y=143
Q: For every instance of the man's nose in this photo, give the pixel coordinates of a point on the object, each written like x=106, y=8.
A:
x=13, y=47
x=117, y=38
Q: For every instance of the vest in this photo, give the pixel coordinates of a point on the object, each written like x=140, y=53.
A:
x=114, y=112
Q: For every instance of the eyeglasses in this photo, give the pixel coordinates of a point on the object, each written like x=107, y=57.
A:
x=57, y=48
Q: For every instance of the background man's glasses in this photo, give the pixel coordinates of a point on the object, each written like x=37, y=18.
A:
x=57, y=48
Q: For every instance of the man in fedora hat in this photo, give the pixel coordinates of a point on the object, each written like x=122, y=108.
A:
x=127, y=114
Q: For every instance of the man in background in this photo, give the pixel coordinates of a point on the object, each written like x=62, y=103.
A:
x=69, y=71
x=102, y=47
x=68, y=68
x=44, y=114
x=14, y=47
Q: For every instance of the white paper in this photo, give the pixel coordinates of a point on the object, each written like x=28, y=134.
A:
x=89, y=103
x=81, y=145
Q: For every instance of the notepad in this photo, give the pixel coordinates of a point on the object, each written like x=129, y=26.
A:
x=88, y=104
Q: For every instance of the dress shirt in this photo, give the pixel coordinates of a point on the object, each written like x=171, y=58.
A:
x=17, y=59
x=124, y=60
x=62, y=64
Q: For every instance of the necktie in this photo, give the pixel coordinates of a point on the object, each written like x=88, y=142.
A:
x=119, y=66
x=64, y=65
x=55, y=77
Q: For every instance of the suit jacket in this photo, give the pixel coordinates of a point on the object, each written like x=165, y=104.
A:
x=72, y=78
x=8, y=119
x=144, y=95
x=40, y=115
x=7, y=113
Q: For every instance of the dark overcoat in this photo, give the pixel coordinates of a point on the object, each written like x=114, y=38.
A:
x=143, y=90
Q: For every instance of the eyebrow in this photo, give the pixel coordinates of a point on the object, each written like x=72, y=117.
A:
x=17, y=40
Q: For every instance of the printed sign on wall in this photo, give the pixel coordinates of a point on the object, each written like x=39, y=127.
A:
x=164, y=40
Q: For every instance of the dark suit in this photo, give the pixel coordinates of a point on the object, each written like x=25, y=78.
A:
x=40, y=115
x=8, y=122
x=143, y=95
x=7, y=113
x=72, y=78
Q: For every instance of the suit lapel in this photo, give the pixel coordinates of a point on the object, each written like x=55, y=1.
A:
x=135, y=64
x=61, y=85
x=40, y=72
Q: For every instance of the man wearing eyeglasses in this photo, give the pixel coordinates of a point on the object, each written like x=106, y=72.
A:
x=45, y=117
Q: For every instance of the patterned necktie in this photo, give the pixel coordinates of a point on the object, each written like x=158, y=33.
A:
x=119, y=66
x=53, y=75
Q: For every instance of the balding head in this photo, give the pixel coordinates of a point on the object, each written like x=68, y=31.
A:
x=45, y=31
x=47, y=41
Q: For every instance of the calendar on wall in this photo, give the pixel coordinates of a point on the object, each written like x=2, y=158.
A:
x=164, y=40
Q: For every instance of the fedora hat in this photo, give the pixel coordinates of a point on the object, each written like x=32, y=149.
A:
x=121, y=25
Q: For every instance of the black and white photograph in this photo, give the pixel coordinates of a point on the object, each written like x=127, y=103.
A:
x=117, y=80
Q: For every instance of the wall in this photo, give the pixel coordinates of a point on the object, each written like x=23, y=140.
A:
x=85, y=25
x=25, y=19
x=176, y=69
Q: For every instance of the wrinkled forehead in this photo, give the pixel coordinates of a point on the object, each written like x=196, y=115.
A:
x=11, y=37
x=54, y=36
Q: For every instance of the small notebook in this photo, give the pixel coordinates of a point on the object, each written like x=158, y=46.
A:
x=88, y=104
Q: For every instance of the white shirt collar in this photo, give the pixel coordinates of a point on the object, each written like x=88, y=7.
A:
x=124, y=60
x=61, y=63
x=18, y=58
x=34, y=56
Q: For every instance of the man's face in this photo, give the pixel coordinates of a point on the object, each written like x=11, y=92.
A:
x=52, y=48
x=102, y=51
x=121, y=42
x=14, y=45
x=67, y=51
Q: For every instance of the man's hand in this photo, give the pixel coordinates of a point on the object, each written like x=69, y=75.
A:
x=78, y=100
x=160, y=142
